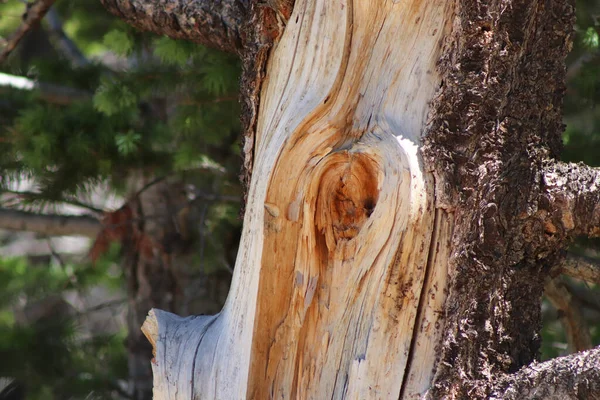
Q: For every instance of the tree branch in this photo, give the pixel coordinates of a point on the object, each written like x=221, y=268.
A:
x=49, y=92
x=34, y=13
x=571, y=195
x=214, y=23
x=62, y=41
x=587, y=297
x=52, y=225
x=575, y=376
x=580, y=267
x=577, y=330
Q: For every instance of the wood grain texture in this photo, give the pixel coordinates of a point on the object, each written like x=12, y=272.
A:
x=341, y=271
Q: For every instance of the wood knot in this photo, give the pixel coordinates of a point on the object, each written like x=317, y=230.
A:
x=348, y=193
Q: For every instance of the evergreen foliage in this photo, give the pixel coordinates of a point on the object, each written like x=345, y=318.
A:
x=144, y=106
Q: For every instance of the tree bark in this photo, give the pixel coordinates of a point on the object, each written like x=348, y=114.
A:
x=213, y=23
x=404, y=209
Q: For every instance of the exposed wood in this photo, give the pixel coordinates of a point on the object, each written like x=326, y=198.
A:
x=341, y=272
x=214, y=23
x=33, y=14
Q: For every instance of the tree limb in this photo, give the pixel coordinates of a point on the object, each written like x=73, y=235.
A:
x=587, y=297
x=52, y=225
x=62, y=41
x=49, y=92
x=571, y=196
x=34, y=13
x=580, y=267
x=214, y=23
x=577, y=330
x=575, y=376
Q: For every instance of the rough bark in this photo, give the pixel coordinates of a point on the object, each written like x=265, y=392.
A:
x=494, y=124
x=574, y=377
x=572, y=197
x=216, y=24
x=579, y=267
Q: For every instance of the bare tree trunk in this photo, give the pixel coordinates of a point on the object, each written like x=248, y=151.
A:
x=403, y=211
x=158, y=266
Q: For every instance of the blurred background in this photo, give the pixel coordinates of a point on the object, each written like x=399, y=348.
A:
x=119, y=192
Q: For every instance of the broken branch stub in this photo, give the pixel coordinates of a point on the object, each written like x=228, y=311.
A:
x=341, y=273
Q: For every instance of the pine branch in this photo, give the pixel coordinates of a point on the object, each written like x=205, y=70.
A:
x=214, y=23
x=34, y=13
x=31, y=197
x=48, y=224
x=571, y=197
x=49, y=92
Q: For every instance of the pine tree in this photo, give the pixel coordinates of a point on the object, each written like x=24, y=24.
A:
x=155, y=122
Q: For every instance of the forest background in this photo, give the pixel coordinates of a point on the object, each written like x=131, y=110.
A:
x=120, y=191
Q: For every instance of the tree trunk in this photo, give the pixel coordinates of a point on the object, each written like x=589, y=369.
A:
x=157, y=259
x=402, y=213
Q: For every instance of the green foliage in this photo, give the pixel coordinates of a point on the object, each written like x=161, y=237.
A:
x=151, y=105
x=127, y=143
x=48, y=353
x=175, y=52
x=590, y=38
x=119, y=42
x=112, y=97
